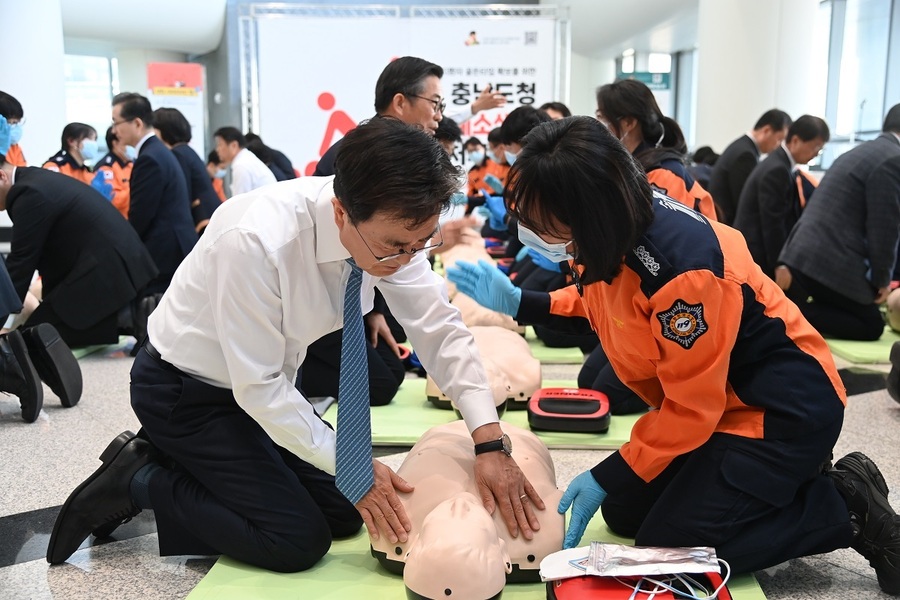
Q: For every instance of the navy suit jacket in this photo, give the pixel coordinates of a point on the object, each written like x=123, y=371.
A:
x=730, y=174
x=160, y=210
x=768, y=208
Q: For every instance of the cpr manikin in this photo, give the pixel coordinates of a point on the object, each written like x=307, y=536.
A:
x=441, y=466
x=508, y=362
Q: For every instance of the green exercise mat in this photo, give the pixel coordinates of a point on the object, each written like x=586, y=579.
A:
x=410, y=414
x=349, y=571
x=123, y=345
x=878, y=351
x=552, y=356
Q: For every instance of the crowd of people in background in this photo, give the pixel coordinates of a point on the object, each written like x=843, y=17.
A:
x=746, y=245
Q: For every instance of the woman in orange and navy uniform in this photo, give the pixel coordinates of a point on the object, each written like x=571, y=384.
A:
x=116, y=168
x=629, y=109
x=746, y=402
x=78, y=144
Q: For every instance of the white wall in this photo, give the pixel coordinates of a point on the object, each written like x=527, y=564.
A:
x=587, y=75
x=32, y=44
x=752, y=56
x=133, y=67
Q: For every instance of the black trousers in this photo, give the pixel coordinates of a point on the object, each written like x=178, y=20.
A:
x=757, y=502
x=833, y=314
x=320, y=372
x=597, y=374
x=104, y=331
x=231, y=490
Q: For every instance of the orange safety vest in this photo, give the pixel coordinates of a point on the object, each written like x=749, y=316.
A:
x=62, y=162
x=478, y=173
x=15, y=157
x=117, y=173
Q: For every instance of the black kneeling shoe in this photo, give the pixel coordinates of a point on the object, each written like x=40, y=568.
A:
x=18, y=375
x=103, y=498
x=55, y=363
x=876, y=527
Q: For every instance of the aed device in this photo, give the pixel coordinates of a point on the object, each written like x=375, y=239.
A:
x=576, y=410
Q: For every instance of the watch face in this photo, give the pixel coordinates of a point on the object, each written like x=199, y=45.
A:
x=507, y=444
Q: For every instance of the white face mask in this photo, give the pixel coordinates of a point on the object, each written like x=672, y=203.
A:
x=130, y=152
x=553, y=252
x=476, y=156
x=89, y=149
x=510, y=157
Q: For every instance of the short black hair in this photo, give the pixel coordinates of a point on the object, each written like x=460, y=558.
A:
x=558, y=107
x=775, y=119
x=807, y=128
x=111, y=138
x=495, y=136
x=252, y=137
x=77, y=132
x=705, y=155
x=134, y=106
x=231, y=134
x=519, y=122
x=10, y=107
x=472, y=141
x=213, y=158
x=892, y=119
x=574, y=172
x=448, y=131
x=387, y=166
x=405, y=75
x=172, y=125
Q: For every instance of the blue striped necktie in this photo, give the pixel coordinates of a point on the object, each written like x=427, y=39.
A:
x=354, y=430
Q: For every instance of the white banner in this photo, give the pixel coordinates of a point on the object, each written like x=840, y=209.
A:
x=317, y=75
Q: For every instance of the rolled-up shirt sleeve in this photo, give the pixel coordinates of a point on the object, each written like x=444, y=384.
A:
x=248, y=316
x=418, y=299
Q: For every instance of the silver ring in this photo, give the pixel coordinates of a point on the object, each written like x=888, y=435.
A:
x=523, y=497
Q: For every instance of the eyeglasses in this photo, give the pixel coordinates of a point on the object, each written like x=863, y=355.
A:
x=16, y=121
x=397, y=255
x=117, y=123
x=440, y=105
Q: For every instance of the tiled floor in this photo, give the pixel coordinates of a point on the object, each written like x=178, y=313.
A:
x=42, y=462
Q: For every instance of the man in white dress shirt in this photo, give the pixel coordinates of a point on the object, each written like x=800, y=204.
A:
x=232, y=458
x=247, y=171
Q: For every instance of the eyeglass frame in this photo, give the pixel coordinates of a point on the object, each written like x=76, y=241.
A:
x=402, y=253
x=122, y=122
x=440, y=105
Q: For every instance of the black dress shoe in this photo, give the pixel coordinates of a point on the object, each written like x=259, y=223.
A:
x=103, y=498
x=876, y=527
x=18, y=375
x=55, y=363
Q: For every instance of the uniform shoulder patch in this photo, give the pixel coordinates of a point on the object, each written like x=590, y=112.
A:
x=683, y=323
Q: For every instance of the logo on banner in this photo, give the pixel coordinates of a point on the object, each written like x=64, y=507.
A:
x=683, y=323
x=472, y=40
x=339, y=124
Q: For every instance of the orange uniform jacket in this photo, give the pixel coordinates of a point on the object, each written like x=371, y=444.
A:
x=219, y=187
x=672, y=179
x=117, y=173
x=62, y=162
x=694, y=327
x=15, y=157
x=478, y=173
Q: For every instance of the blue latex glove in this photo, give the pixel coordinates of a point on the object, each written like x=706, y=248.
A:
x=543, y=262
x=522, y=253
x=494, y=183
x=485, y=284
x=585, y=496
x=458, y=198
x=497, y=219
x=4, y=136
x=100, y=184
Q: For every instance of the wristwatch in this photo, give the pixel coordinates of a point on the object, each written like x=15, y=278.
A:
x=504, y=444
